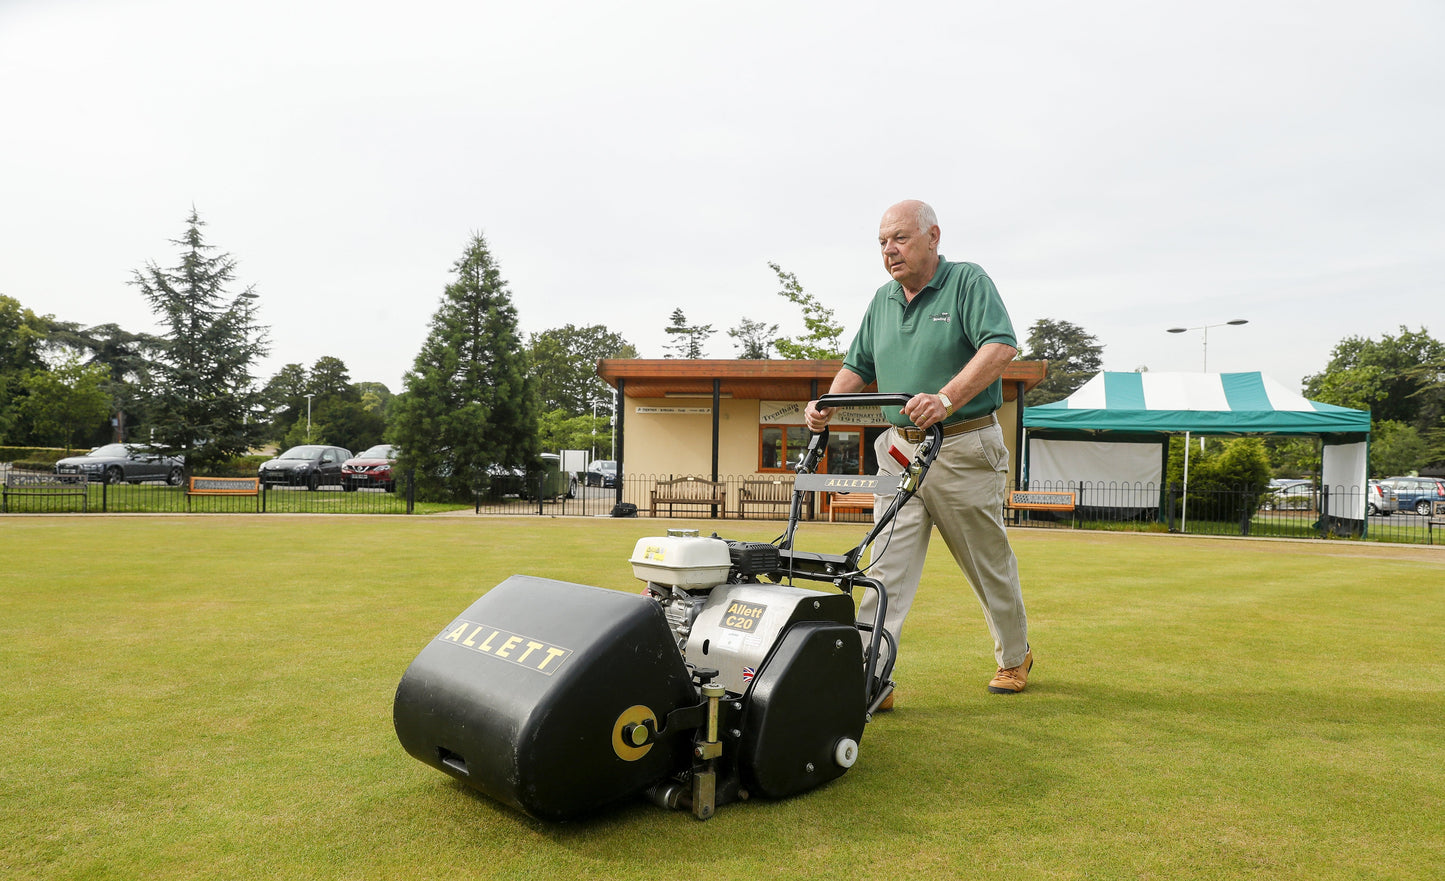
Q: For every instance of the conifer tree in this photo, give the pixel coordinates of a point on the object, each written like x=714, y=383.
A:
x=204, y=394
x=468, y=410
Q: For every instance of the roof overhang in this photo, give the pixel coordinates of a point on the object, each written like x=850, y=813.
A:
x=758, y=379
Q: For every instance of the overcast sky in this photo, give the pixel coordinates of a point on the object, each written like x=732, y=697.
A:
x=1126, y=166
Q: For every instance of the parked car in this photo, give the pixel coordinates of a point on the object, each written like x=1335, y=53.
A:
x=1416, y=493
x=372, y=467
x=309, y=465
x=555, y=482
x=1379, y=499
x=603, y=472
x=131, y=463
x=1290, y=495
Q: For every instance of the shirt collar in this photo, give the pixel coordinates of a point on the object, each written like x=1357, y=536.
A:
x=896, y=292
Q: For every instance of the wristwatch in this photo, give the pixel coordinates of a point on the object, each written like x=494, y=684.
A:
x=947, y=404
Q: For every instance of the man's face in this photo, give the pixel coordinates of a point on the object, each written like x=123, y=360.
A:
x=909, y=253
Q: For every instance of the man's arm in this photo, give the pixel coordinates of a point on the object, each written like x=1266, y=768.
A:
x=983, y=368
x=845, y=383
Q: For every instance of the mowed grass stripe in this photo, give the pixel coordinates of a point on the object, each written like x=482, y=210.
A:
x=211, y=697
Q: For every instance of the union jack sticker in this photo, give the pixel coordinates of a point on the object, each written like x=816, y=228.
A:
x=748, y=674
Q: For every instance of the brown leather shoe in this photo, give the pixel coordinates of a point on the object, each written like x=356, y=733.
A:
x=887, y=703
x=1012, y=680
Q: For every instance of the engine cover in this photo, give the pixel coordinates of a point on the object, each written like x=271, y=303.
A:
x=741, y=623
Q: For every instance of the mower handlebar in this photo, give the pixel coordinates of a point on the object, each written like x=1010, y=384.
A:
x=878, y=399
x=864, y=399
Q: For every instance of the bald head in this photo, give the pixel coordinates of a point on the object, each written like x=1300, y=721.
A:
x=908, y=237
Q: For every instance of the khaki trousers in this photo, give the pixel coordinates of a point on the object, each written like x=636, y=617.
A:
x=963, y=495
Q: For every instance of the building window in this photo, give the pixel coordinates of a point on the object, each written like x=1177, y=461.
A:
x=782, y=445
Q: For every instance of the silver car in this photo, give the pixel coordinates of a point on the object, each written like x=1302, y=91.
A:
x=128, y=463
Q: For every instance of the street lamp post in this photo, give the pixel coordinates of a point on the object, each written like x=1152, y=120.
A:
x=1205, y=328
x=308, y=416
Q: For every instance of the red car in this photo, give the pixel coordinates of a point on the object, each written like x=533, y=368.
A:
x=370, y=468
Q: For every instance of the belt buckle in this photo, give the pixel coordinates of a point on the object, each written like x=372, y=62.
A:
x=912, y=435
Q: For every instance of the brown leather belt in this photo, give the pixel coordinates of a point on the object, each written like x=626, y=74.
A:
x=916, y=435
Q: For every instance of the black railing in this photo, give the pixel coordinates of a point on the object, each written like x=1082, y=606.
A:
x=1327, y=512
x=24, y=495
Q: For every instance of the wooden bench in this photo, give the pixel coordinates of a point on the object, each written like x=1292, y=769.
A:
x=224, y=486
x=50, y=486
x=1020, y=500
x=849, y=502
x=775, y=493
x=689, y=491
x=1437, y=520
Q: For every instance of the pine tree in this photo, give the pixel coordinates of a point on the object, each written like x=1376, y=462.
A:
x=204, y=395
x=755, y=339
x=468, y=409
x=690, y=338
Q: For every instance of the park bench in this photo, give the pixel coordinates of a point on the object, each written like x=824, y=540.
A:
x=1054, y=501
x=852, y=501
x=224, y=486
x=1437, y=520
x=689, y=491
x=775, y=493
x=48, y=486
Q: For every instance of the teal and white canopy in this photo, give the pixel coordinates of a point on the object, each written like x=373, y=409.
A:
x=1201, y=403
x=1114, y=431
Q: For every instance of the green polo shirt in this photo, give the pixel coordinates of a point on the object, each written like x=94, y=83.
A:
x=918, y=347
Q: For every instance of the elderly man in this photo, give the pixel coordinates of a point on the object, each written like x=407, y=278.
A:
x=940, y=330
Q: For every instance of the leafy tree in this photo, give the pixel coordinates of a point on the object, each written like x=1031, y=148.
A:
x=690, y=338
x=560, y=430
x=564, y=367
x=284, y=398
x=330, y=378
x=375, y=397
x=755, y=339
x=66, y=403
x=1396, y=448
x=1399, y=378
x=1226, y=479
x=1074, y=355
x=1293, y=456
x=823, y=338
x=22, y=339
x=126, y=357
x=469, y=405
x=204, y=392
x=306, y=432
x=348, y=422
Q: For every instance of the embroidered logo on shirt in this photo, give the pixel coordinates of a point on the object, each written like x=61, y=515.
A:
x=939, y=316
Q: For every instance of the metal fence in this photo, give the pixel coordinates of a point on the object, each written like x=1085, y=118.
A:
x=1323, y=512
x=1318, y=512
x=38, y=493
x=734, y=497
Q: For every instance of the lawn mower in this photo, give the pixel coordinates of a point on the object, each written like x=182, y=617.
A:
x=740, y=669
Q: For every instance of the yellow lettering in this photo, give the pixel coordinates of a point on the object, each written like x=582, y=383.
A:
x=511, y=643
x=552, y=653
x=456, y=635
x=487, y=646
x=531, y=647
x=468, y=643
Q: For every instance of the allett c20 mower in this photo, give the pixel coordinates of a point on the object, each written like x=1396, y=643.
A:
x=726, y=678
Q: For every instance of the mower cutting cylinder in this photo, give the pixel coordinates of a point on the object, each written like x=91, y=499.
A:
x=548, y=696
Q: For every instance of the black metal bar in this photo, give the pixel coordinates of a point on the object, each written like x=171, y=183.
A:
x=716, y=422
x=617, y=415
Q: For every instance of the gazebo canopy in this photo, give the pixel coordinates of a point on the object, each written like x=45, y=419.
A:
x=1201, y=403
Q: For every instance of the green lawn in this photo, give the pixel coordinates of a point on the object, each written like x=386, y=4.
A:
x=211, y=697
